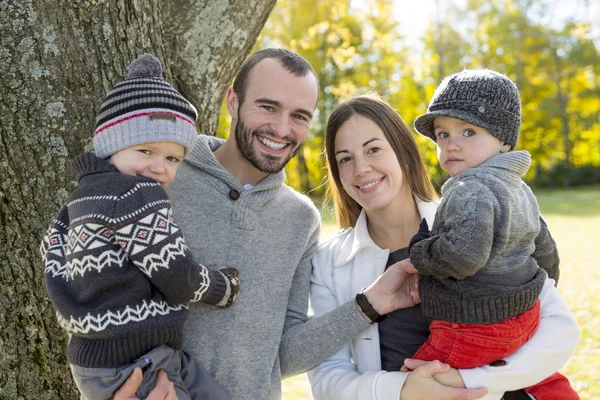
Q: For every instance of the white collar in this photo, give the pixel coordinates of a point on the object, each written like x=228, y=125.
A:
x=358, y=238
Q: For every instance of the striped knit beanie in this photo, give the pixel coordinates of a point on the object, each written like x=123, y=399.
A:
x=481, y=97
x=143, y=109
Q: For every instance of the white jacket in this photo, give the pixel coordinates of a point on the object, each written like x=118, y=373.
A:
x=350, y=261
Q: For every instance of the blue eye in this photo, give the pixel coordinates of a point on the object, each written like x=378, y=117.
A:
x=300, y=117
x=442, y=135
x=469, y=133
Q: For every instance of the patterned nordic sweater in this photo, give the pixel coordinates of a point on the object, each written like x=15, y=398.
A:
x=117, y=269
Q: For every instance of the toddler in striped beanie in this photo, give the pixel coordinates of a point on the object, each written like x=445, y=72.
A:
x=117, y=269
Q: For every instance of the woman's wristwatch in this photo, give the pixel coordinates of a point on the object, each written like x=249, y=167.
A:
x=367, y=308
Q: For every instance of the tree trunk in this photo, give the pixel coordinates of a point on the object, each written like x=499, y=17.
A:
x=305, y=186
x=597, y=88
x=562, y=100
x=58, y=59
x=206, y=42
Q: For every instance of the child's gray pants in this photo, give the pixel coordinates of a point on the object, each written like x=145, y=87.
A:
x=191, y=380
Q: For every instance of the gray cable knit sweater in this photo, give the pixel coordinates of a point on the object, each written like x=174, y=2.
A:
x=479, y=264
x=270, y=234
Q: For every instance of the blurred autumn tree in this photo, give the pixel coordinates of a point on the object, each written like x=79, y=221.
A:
x=357, y=47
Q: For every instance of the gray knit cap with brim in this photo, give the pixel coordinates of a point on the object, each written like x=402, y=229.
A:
x=481, y=97
x=143, y=109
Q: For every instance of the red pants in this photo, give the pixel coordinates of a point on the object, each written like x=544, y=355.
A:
x=473, y=345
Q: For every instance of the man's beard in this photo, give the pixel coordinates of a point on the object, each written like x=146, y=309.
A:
x=265, y=163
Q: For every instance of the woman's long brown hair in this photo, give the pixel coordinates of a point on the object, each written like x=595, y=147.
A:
x=400, y=138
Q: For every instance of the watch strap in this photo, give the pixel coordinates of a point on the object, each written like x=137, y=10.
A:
x=367, y=308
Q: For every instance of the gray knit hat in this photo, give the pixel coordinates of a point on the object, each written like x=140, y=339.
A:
x=142, y=109
x=482, y=97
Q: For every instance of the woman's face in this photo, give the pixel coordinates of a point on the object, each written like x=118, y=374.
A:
x=369, y=169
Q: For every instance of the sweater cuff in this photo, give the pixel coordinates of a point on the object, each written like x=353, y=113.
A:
x=348, y=322
x=388, y=385
x=479, y=377
x=416, y=254
x=218, y=288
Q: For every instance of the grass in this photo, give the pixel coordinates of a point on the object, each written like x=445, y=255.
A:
x=573, y=216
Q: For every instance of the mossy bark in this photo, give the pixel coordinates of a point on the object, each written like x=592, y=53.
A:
x=206, y=42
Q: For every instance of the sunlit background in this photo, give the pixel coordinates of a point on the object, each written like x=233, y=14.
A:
x=402, y=49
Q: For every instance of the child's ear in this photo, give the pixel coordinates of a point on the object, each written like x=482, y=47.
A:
x=505, y=148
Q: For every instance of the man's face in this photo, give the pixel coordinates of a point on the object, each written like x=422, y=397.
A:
x=274, y=120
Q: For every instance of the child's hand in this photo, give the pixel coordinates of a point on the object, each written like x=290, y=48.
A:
x=233, y=282
x=423, y=233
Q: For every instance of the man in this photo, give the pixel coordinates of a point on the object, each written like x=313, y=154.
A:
x=236, y=210
x=231, y=201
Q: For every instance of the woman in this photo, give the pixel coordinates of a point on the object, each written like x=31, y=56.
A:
x=381, y=192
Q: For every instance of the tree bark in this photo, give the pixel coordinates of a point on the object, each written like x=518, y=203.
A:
x=562, y=100
x=305, y=186
x=206, y=42
x=58, y=59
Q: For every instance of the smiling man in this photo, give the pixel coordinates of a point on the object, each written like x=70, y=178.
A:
x=271, y=104
x=236, y=210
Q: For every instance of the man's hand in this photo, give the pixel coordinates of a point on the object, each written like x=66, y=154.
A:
x=421, y=384
x=164, y=389
x=396, y=288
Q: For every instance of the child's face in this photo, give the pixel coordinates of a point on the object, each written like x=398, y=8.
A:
x=462, y=145
x=156, y=160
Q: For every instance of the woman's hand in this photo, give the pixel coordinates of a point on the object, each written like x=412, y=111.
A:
x=164, y=389
x=450, y=378
x=422, y=383
x=396, y=288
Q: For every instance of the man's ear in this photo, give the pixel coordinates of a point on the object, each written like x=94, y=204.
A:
x=232, y=102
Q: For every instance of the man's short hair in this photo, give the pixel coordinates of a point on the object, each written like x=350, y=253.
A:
x=292, y=62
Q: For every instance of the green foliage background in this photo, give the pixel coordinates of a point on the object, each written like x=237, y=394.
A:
x=356, y=50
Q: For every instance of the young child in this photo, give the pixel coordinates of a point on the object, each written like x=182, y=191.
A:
x=479, y=273
x=116, y=265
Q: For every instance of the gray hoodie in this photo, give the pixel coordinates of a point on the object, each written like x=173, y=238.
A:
x=270, y=233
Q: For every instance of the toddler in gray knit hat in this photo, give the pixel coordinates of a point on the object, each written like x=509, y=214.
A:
x=117, y=268
x=484, y=262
